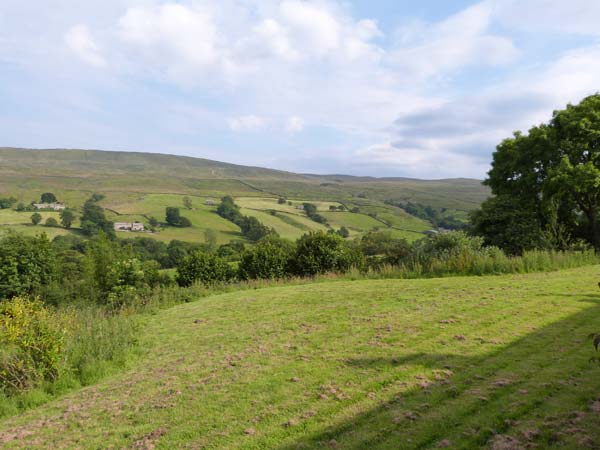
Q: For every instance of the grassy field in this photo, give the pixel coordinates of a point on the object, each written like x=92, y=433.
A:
x=462, y=363
x=21, y=222
x=138, y=186
x=291, y=223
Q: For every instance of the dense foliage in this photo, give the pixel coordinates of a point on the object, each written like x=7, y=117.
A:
x=48, y=197
x=269, y=259
x=251, y=227
x=319, y=252
x=7, y=202
x=93, y=219
x=174, y=218
x=546, y=181
x=438, y=217
x=311, y=211
x=26, y=264
x=204, y=268
x=32, y=344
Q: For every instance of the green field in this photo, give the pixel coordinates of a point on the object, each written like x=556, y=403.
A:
x=138, y=186
x=141, y=207
x=463, y=363
x=291, y=222
x=21, y=222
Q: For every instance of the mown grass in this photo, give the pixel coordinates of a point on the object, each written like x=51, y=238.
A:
x=373, y=364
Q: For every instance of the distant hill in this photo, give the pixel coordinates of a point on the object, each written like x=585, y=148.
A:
x=140, y=185
x=25, y=168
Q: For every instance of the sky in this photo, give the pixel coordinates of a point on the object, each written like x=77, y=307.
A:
x=397, y=88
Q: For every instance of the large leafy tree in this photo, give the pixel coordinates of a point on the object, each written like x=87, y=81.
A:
x=551, y=174
x=48, y=197
x=26, y=264
x=93, y=219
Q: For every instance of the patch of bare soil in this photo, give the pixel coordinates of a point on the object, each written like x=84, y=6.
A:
x=505, y=442
x=148, y=442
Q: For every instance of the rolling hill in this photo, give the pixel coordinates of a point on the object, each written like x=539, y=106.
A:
x=138, y=186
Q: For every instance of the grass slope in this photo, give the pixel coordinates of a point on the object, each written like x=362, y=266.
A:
x=490, y=362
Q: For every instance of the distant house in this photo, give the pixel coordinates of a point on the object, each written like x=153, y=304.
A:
x=300, y=207
x=431, y=232
x=129, y=226
x=57, y=206
x=209, y=202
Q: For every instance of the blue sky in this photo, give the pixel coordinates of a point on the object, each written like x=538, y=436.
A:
x=384, y=88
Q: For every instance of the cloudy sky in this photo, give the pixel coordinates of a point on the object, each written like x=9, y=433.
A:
x=368, y=87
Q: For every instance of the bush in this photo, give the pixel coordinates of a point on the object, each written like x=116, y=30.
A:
x=51, y=222
x=36, y=218
x=269, y=259
x=203, y=267
x=32, y=342
x=318, y=253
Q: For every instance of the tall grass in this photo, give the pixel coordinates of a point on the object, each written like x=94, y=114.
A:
x=491, y=263
x=99, y=342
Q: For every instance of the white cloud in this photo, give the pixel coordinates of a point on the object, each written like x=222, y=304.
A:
x=80, y=40
x=459, y=41
x=294, y=125
x=578, y=17
x=247, y=123
x=434, y=97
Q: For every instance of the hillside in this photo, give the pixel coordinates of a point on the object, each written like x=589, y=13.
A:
x=138, y=186
x=462, y=363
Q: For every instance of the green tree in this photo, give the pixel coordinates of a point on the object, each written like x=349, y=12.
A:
x=268, y=259
x=48, y=197
x=51, y=222
x=93, y=219
x=26, y=264
x=202, y=267
x=551, y=172
x=343, y=232
x=67, y=217
x=505, y=222
x=172, y=216
x=184, y=222
x=36, y=218
x=382, y=246
x=320, y=252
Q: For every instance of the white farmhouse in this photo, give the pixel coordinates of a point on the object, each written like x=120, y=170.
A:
x=57, y=206
x=129, y=226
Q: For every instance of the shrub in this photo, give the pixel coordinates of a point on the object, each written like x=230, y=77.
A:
x=36, y=218
x=320, y=252
x=269, y=259
x=32, y=341
x=51, y=222
x=204, y=268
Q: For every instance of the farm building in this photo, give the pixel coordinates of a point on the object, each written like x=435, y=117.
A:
x=129, y=226
x=57, y=206
x=209, y=203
